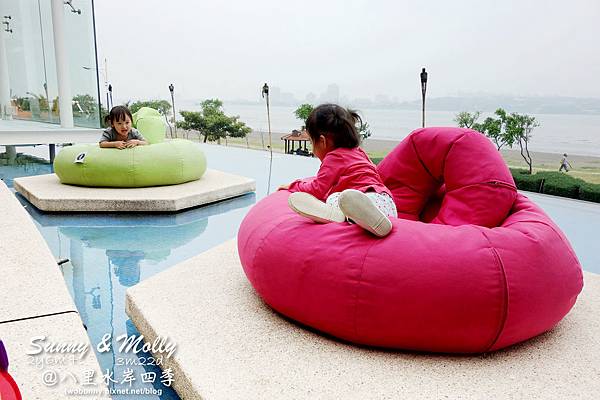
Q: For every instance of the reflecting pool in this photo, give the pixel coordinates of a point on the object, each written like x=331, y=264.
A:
x=110, y=252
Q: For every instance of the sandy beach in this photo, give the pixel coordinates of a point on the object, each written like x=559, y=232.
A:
x=584, y=167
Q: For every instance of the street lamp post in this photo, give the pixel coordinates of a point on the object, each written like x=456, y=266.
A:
x=423, y=90
x=172, y=90
x=265, y=95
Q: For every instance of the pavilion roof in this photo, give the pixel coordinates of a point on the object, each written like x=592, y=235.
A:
x=298, y=136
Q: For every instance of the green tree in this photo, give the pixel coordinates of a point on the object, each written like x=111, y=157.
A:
x=55, y=106
x=492, y=127
x=40, y=99
x=364, y=130
x=303, y=111
x=467, y=120
x=85, y=103
x=163, y=106
x=43, y=102
x=212, y=123
x=519, y=127
x=495, y=129
x=23, y=103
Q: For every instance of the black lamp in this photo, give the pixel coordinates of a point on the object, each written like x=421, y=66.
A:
x=7, y=23
x=172, y=90
x=423, y=90
x=265, y=95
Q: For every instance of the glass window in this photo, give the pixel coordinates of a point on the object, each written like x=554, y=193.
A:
x=32, y=67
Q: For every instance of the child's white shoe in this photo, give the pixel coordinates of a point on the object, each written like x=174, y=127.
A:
x=310, y=207
x=359, y=208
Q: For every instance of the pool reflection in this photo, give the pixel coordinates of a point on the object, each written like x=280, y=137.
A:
x=110, y=252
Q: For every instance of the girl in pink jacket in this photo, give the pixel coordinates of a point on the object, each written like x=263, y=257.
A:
x=347, y=186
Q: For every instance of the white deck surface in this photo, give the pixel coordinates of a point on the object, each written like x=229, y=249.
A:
x=230, y=345
x=35, y=302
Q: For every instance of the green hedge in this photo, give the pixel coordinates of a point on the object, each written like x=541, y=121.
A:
x=590, y=192
x=551, y=182
x=524, y=181
x=559, y=184
x=556, y=184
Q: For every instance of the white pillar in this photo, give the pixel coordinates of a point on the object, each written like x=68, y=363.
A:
x=62, y=65
x=4, y=77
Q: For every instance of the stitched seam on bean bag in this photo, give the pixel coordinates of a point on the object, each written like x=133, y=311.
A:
x=84, y=175
x=571, y=252
x=182, y=164
x=362, y=269
x=133, y=169
x=412, y=143
x=569, y=248
x=488, y=183
x=447, y=153
x=504, y=312
x=259, y=248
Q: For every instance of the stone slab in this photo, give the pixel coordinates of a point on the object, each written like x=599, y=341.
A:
x=47, y=194
x=28, y=370
x=35, y=302
x=232, y=346
x=31, y=283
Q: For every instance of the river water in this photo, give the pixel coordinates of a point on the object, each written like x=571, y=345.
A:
x=557, y=133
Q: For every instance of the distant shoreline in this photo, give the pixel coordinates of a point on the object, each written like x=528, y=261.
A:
x=584, y=167
x=545, y=105
x=385, y=145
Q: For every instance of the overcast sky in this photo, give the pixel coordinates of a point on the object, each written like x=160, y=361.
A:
x=229, y=49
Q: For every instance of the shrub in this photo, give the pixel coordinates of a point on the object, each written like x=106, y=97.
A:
x=589, y=192
x=555, y=184
x=559, y=184
x=525, y=181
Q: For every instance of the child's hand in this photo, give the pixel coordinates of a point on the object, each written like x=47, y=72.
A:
x=283, y=187
x=120, y=144
x=135, y=142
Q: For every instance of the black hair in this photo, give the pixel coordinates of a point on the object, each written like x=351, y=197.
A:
x=117, y=113
x=335, y=122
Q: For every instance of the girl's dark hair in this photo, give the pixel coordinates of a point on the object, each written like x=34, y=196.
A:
x=117, y=113
x=335, y=122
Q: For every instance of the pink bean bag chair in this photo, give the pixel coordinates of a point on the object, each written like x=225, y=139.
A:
x=470, y=266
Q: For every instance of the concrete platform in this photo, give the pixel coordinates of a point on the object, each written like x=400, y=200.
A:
x=35, y=302
x=232, y=346
x=30, y=281
x=48, y=194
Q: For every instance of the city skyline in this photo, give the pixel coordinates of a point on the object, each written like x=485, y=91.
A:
x=485, y=102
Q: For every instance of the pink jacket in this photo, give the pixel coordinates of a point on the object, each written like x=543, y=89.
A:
x=342, y=169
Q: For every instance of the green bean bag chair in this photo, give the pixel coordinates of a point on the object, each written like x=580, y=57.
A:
x=162, y=162
x=150, y=124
